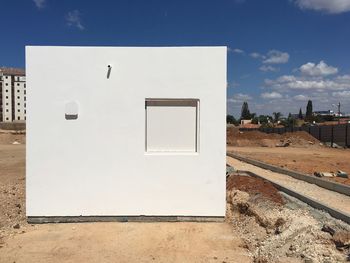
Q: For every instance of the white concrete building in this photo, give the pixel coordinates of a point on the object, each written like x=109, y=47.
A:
x=125, y=132
x=12, y=95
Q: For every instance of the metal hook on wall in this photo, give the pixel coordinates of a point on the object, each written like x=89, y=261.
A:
x=109, y=71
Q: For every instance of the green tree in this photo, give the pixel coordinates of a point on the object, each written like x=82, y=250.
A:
x=291, y=122
x=309, y=110
x=231, y=120
x=300, y=116
x=245, y=113
x=276, y=116
x=263, y=119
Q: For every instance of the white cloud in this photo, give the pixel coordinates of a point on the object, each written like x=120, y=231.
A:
x=256, y=55
x=290, y=82
x=234, y=84
x=39, y=3
x=276, y=57
x=266, y=68
x=328, y=6
x=238, y=51
x=342, y=94
x=240, y=97
x=343, y=79
x=301, y=97
x=320, y=69
x=271, y=95
x=73, y=19
x=291, y=102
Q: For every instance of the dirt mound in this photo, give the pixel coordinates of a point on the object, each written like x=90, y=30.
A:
x=300, y=138
x=282, y=233
x=7, y=137
x=254, y=138
x=255, y=187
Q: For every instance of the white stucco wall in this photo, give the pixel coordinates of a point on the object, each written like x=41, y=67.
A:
x=97, y=164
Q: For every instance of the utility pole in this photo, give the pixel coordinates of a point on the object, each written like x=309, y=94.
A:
x=339, y=113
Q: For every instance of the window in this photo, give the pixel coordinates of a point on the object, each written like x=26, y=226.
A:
x=7, y=118
x=6, y=77
x=18, y=97
x=7, y=110
x=7, y=103
x=24, y=98
x=7, y=90
x=18, y=104
x=6, y=84
x=17, y=84
x=19, y=110
x=24, y=92
x=18, y=118
x=172, y=125
x=18, y=90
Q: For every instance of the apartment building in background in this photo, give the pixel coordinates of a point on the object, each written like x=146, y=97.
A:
x=12, y=95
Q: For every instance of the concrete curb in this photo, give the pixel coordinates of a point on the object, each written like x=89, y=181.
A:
x=310, y=201
x=142, y=219
x=336, y=187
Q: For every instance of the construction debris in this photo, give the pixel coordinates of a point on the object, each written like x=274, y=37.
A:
x=284, y=143
x=342, y=174
x=333, y=145
x=229, y=170
x=328, y=229
x=324, y=174
x=342, y=240
x=331, y=174
x=283, y=231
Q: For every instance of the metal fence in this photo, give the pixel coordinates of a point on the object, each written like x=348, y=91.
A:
x=339, y=134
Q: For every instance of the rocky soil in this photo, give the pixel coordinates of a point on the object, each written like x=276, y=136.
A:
x=12, y=183
x=283, y=231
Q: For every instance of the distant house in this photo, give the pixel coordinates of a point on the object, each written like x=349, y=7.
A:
x=248, y=124
x=244, y=122
x=324, y=113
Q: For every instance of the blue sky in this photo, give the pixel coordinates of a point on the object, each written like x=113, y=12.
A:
x=281, y=52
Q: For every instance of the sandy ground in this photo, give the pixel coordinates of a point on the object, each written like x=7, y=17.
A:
x=332, y=199
x=12, y=180
x=126, y=242
x=255, y=229
x=101, y=242
x=305, y=160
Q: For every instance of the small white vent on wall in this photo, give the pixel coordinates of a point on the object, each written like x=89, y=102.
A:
x=172, y=125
